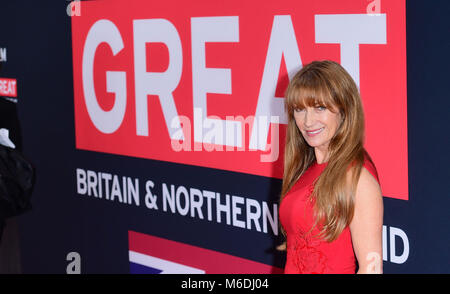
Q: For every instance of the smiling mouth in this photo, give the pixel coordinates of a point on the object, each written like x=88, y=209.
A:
x=314, y=132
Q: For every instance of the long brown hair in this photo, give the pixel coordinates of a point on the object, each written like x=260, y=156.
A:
x=328, y=84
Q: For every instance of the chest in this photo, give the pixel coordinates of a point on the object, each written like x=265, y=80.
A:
x=297, y=207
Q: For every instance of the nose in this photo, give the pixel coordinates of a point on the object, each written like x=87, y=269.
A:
x=309, y=118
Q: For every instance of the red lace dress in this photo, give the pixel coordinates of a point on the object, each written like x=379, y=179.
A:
x=305, y=252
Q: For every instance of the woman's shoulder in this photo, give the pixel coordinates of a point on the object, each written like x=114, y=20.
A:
x=369, y=173
x=371, y=168
x=368, y=182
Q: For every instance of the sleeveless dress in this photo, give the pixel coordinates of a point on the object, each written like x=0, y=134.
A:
x=306, y=253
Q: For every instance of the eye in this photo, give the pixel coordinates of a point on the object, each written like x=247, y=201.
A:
x=297, y=109
x=320, y=108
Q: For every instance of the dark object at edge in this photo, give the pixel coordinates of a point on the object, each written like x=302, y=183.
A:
x=17, y=178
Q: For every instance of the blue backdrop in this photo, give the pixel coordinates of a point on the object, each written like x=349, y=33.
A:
x=37, y=37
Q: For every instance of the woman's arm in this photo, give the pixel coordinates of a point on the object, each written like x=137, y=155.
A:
x=367, y=224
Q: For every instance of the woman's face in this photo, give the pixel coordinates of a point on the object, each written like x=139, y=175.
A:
x=317, y=125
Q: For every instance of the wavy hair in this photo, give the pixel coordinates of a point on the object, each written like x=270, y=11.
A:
x=327, y=83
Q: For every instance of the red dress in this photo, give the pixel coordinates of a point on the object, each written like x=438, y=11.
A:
x=305, y=252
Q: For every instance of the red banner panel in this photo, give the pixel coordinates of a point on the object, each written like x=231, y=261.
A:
x=202, y=83
x=8, y=87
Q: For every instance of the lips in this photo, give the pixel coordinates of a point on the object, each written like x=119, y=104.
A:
x=314, y=132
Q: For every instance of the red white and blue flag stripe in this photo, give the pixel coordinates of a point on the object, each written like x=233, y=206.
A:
x=153, y=255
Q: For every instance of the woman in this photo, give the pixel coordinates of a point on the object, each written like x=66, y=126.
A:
x=331, y=203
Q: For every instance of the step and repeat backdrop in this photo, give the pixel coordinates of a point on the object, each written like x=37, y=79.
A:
x=157, y=127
